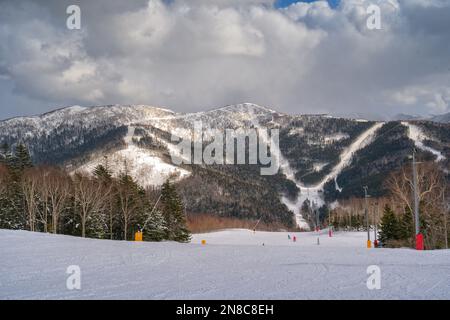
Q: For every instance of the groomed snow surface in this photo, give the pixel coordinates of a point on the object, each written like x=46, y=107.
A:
x=234, y=264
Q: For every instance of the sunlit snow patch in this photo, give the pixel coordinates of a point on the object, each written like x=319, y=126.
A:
x=146, y=167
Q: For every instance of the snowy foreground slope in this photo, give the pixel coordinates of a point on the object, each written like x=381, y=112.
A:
x=232, y=265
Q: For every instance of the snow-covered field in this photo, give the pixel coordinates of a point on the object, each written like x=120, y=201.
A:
x=234, y=264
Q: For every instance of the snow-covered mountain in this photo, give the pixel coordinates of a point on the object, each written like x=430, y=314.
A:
x=82, y=117
x=81, y=137
x=442, y=118
x=323, y=158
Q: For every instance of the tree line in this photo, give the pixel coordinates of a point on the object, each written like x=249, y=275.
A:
x=393, y=215
x=96, y=204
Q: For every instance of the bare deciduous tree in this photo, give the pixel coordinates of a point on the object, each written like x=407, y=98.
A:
x=30, y=184
x=58, y=186
x=42, y=212
x=445, y=211
x=128, y=202
x=90, y=195
x=430, y=185
x=3, y=178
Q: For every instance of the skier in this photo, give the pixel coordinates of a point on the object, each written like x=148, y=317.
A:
x=295, y=239
x=289, y=237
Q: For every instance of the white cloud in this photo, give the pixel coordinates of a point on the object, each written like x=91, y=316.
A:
x=192, y=55
x=433, y=93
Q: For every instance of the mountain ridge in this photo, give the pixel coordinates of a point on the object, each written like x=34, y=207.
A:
x=240, y=107
x=139, y=138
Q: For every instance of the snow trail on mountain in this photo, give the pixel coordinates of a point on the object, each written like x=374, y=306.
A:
x=347, y=155
x=314, y=193
x=416, y=134
x=290, y=175
x=235, y=116
x=146, y=167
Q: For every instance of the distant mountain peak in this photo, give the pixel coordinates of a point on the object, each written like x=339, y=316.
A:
x=405, y=117
x=245, y=107
x=442, y=118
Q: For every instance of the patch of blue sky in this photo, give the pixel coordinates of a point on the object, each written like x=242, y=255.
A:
x=286, y=3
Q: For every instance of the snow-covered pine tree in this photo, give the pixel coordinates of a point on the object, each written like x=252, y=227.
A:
x=156, y=228
x=13, y=208
x=104, y=175
x=173, y=214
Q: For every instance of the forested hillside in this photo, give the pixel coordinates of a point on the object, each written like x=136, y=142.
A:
x=136, y=141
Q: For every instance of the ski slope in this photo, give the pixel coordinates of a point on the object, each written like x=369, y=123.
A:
x=145, y=166
x=234, y=264
x=314, y=193
x=416, y=134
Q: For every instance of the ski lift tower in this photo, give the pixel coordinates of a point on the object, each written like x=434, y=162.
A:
x=366, y=196
x=316, y=213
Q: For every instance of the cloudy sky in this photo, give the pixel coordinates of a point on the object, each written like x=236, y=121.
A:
x=192, y=55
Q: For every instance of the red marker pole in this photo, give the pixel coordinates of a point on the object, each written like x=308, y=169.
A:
x=419, y=241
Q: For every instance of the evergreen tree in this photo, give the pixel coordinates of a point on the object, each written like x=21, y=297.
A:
x=406, y=225
x=6, y=156
x=22, y=159
x=323, y=213
x=102, y=173
x=130, y=198
x=110, y=213
x=389, y=226
x=306, y=207
x=156, y=228
x=356, y=222
x=5, y=209
x=173, y=214
x=13, y=205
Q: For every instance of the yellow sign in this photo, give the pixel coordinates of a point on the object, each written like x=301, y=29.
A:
x=138, y=236
x=203, y=241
